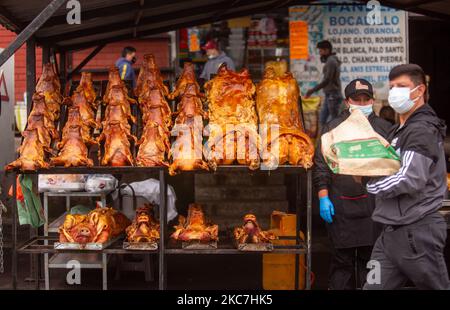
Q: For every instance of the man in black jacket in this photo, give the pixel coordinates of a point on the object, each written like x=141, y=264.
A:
x=345, y=205
x=331, y=83
x=412, y=243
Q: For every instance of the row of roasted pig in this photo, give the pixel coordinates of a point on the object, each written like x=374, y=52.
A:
x=104, y=224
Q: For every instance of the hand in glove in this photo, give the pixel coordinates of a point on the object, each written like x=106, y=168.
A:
x=326, y=209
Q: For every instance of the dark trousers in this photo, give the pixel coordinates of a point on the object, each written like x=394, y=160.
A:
x=413, y=252
x=330, y=107
x=347, y=265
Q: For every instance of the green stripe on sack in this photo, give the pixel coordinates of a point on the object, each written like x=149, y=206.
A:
x=364, y=149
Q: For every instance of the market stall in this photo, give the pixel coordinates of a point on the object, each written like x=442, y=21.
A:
x=48, y=30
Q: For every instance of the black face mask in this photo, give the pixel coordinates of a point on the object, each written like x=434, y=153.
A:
x=133, y=60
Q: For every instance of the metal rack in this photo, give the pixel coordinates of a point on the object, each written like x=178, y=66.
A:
x=44, y=244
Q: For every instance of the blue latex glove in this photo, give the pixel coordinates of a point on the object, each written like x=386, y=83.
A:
x=326, y=209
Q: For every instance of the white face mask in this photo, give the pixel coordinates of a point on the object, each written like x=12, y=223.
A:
x=399, y=99
x=365, y=109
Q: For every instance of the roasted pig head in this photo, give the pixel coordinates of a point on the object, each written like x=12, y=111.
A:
x=195, y=227
x=144, y=227
x=250, y=232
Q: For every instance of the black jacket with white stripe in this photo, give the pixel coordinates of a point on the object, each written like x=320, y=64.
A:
x=418, y=188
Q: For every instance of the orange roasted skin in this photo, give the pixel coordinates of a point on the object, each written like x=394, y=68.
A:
x=250, y=232
x=87, y=87
x=117, y=151
x=49, y=85
x=98, y=226
x=186, y=77
x=284, y=139
x=31, y=153
x=73, y=150
x=195, y=227
x=154, y=143
x=79, y=100
x=144, y=228
x=187, y=150
x=233, y=134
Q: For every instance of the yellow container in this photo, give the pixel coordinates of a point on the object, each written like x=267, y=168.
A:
x=279, y=269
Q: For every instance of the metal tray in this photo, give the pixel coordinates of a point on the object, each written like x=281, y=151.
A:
x=198, y=245
x=88, y=246
x=142, y=246
x=255, y=247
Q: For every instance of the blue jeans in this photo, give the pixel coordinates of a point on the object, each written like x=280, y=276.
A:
x=330, y=107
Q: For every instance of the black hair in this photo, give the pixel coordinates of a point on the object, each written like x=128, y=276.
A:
x=413, y=71
x=128, y=50
x=325, y=44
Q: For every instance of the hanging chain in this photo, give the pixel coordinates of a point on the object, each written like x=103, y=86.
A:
x=2, y=209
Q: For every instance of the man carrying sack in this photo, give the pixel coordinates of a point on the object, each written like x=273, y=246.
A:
x=345, y=204
x=412, y=242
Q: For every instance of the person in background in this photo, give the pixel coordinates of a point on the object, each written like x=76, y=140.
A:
x=125, y=65
x=345, y=205
x=331, y=83
x=412, y=242
x=387, y=113
x=215, y=59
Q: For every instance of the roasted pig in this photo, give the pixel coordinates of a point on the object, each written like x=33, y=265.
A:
x=74, y=119
x=78, y=99
x=73, y=150
x=49, y=85
x=150, y=76
x=233, y=134
x=144, y=228
x=250, y=232
x=195, y=227
x=114, y=80
x=31, y=153
x=154, y=145
x=186, y=77
x=116, y=145
x=187, y=150
x=99, y=226
x=86, y=86
x=283, y=137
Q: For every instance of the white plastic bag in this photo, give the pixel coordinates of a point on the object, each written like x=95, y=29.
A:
x=148, y=189
x=61, y=182
x=100, y=183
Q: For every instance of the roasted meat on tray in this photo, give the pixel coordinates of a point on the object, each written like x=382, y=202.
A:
x=195, y=227
x=74, y=119
x=251, y=232
x=283, y=137
x=233, y=134
x=187, y=150
x=98, y=226
x=31, y=153
x=144, y=228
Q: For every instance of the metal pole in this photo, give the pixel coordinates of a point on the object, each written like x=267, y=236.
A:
x=29, y=30
x=31, y=71
x=309, y=228
x=162, y=229
x=14, y=234
x=45, y=54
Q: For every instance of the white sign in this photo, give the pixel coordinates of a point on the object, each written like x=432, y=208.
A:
x=369, y=41
x=7, y=111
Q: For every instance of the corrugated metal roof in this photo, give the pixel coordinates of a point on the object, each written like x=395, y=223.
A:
x=104, y=21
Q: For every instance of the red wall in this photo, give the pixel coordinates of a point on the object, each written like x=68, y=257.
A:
x=103, y=60
x=7, y=37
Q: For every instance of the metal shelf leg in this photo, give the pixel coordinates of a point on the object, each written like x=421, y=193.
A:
x=162, y=229
x=309, y=227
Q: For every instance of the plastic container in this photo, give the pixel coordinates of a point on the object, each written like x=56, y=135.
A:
x=279, y=269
